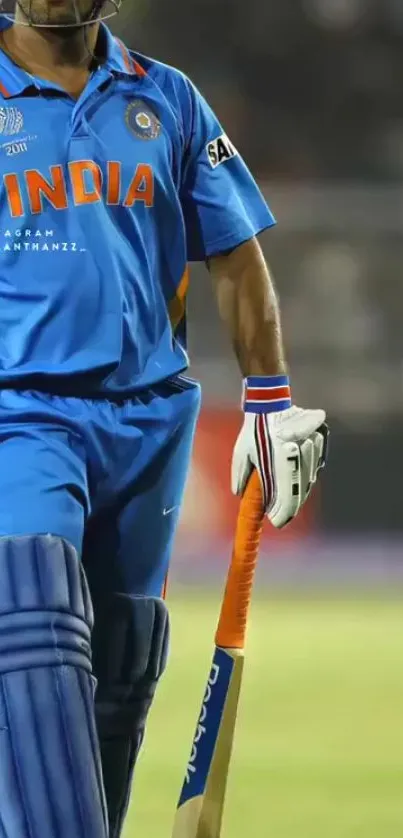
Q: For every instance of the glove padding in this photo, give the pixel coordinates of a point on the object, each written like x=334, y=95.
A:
x=288, y=449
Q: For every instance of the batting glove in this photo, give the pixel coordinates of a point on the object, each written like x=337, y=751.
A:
x=286, y=444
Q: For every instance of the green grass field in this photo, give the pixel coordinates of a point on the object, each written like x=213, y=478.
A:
x=319, y=747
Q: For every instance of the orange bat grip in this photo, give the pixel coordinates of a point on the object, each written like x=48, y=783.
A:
x=231, y=629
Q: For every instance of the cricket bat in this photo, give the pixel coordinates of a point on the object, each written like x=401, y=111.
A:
x=201, y=803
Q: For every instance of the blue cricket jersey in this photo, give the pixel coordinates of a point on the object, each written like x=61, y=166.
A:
x=103, y=203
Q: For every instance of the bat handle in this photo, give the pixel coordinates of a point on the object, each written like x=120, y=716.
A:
x=231, y=629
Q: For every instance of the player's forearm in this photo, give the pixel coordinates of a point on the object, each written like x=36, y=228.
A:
x=248, y=304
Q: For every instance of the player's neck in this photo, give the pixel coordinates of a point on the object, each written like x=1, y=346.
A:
x=64, y=57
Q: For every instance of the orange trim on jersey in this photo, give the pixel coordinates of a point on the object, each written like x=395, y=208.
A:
x=4, y=92
x=177, y=306
x=125, y=55
x=165, y=588
x=138, y=69
x=132, y=66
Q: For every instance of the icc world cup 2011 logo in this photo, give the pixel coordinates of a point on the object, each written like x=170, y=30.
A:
x=11, y=121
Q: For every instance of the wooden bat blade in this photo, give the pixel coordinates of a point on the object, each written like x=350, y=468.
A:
x=201, y=804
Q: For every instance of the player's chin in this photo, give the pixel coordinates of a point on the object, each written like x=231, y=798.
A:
x=60, y=13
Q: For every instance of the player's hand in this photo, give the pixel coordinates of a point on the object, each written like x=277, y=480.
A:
x=286, y=444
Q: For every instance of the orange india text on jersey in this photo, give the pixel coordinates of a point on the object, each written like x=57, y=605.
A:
x=81, y=182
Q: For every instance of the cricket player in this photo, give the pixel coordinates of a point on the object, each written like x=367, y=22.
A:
x=115, y=174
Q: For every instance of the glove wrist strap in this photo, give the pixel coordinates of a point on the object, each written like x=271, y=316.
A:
x=266, y=393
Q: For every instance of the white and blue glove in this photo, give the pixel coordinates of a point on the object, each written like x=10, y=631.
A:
x=286, y=444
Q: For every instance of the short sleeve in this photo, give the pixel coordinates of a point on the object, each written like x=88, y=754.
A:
x=221, y=202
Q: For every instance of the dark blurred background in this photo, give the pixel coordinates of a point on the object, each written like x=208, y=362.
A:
x=310, y=89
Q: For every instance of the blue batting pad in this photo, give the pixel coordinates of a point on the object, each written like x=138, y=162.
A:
x=50, y=770
x=130, y=651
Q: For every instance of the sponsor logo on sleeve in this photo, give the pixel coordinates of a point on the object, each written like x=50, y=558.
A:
x=220, y=151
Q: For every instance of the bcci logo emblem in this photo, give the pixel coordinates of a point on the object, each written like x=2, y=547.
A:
x=11, y=121
x=142, y=120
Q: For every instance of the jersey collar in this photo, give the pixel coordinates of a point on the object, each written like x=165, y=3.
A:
x=119, y=59
x=14, y=80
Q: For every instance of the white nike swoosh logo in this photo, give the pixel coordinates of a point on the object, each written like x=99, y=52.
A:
x=168, y=510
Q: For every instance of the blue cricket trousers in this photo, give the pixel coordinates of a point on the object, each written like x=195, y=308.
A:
x=106, y=475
